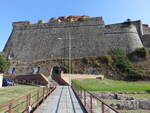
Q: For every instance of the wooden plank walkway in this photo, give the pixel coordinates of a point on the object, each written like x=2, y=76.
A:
x=62, y=100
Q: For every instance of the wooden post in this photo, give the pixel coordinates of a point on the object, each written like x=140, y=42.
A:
x=10, y=108
x=85, y=98
x=91, y=104
x=29, y=99
x=81, y=95
x=47, y=91
x=37, y=95
x=43, y=92
x=103, y=107
x=27, y=102
x=50, y=90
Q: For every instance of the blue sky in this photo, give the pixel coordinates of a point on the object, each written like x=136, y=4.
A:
x=113, y=11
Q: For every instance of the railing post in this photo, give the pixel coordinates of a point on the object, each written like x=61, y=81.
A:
x=43, y=92
x=50, y=90
x=85, y=98
x=103, y=107
x=81, y=95
x=27, y=102
x=10, y=108
x=78, y=92
x=37, y=95
x=91, y=109
x=29, y=99
x=47, y=90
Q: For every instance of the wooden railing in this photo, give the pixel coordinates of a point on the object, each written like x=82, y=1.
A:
x=91, y=102
x=27, y=103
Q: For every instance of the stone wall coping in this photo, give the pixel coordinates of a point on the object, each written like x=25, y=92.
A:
x=41, y=23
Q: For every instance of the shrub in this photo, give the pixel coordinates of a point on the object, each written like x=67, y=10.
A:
x=120, y=59
x=91, y=59
x=135, y=74
x=122, y=63
x=139, y=53
x=4, y=64
x=66, y=68
x=116, y=52
x=105, y=59
x=84, y=60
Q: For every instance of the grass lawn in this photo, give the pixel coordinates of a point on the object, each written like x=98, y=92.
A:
x=108, y=85
x=9, y=93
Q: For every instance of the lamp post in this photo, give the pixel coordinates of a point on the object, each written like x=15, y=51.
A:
x=69, y=38
x=69, y=49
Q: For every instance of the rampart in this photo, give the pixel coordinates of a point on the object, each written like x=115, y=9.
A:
x=85, y=36
x=123, y=36
x=146, y=36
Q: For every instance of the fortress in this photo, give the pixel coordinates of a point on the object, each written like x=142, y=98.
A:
x=81, y=35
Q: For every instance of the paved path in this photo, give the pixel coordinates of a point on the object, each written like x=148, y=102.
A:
x=62, y=100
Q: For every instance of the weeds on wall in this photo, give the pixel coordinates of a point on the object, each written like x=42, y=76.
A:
x=4, y=64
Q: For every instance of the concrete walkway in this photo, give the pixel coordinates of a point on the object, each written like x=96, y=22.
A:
x=62, y=100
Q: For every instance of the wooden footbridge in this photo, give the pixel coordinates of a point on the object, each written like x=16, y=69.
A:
x=67, y=99
x=62, y=100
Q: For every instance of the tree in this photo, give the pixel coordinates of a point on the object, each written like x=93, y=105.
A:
x=4, y=64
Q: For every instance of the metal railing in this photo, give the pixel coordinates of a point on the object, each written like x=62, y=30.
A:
x=27, y=103
x=91, y=102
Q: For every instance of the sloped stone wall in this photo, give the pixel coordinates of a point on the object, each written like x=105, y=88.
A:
x=122, y=36
x=31, y=42
x=36, y=42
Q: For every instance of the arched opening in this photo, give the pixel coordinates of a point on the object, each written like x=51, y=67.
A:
x=56, y=75
x=56, y=70
x=11, y=70
x=36, y=70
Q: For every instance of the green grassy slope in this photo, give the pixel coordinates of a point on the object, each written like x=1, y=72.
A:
x=9, y=93
x=108, y=85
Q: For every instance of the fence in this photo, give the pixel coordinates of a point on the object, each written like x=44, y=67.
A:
x=27, y=103
x=91, y=102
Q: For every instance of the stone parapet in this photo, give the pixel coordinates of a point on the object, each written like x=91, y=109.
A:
x=27, y=25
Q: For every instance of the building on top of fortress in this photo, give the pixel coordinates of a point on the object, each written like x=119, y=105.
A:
x=88, y=36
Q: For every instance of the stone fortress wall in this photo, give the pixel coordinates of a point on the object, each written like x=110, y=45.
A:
x=30, y=42
x=46, y=67
x=89, y=37
x=146, y=36
x=122, y=36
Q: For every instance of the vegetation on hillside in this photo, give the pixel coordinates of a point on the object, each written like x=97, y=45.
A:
x=122, y=62
x=4, y=64
x=139, y=54
x=116, y=64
